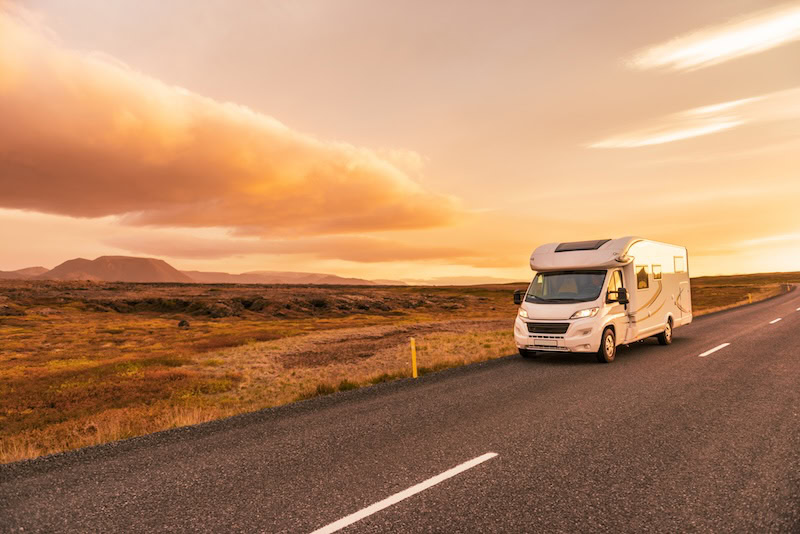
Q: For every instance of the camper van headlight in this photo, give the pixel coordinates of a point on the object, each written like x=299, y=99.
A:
x=523, y=313
x=588, y=312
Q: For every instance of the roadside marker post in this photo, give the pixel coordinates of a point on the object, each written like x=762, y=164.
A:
x=413, y=358
x=750, y=298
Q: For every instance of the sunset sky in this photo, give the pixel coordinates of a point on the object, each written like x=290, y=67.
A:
x=430, y=140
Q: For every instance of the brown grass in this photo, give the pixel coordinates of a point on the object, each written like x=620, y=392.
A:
x=712, y=294
x=83, y=364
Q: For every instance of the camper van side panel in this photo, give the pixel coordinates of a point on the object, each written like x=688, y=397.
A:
x=658, y=284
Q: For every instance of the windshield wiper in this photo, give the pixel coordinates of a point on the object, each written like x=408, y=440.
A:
x=558, y=300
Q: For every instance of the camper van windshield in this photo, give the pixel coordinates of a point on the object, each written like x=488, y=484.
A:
x=565, y=286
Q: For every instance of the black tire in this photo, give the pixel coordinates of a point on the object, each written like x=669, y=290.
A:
x=527, y=353
x=608, y=346
x=665, y=337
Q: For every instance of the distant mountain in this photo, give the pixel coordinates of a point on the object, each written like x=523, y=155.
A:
x=284, y=277
x=382, y=282
x=152, y=270
x=462, y=281
x=116, y=269
x=22, y=274
x=32, y=271
x=203, y=277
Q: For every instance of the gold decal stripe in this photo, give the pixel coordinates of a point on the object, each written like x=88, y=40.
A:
x=659, y=308
x=678, y=302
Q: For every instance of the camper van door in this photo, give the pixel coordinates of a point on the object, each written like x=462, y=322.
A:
x=648, y=296
x=618, y=313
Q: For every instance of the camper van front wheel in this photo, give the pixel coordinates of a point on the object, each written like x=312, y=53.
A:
x=665, y=337
x=608, y=347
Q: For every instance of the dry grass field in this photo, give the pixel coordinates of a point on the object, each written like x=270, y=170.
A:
x=85, y=363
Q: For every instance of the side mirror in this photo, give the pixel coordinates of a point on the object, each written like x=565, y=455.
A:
x=519, y=294
x=622, y=295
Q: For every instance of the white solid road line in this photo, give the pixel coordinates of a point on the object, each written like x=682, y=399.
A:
x=405, y=494
x=775, y=320
x=715, y=349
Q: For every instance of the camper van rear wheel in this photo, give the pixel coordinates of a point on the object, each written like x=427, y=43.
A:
x=608, y=347
x=665, y=337
x=527, y=353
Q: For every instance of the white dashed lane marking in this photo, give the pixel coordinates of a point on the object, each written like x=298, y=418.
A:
x=775, y=320
x=715, y=349
x=405, y=494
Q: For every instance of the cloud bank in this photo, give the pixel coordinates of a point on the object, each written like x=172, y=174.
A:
x=362, y=249
x=84, y=136
x=747, y=35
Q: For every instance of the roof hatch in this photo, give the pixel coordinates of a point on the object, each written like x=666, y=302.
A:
x=581, y=245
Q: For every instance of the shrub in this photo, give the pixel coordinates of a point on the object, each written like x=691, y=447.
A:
x=319, y=302
x=321, y=389
x=325, y=389
x=346, y=385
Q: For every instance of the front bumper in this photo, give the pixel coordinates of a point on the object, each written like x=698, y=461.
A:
x=583, y=335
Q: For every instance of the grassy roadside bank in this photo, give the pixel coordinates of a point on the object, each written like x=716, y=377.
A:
x=84, y=364
x=713, y=294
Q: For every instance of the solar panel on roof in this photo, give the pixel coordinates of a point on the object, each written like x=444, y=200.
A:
x=581, y=245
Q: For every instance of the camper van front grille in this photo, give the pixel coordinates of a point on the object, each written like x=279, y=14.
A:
x=548, y=328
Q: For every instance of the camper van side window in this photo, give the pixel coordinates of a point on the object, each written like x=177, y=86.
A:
x=656, y=272
x=680, y=264
x=642, y=278
x=614, y=284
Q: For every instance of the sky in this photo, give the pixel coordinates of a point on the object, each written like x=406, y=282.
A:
x=416, y=140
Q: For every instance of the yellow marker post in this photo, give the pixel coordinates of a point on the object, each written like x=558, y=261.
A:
x=750, y=298
x=413, y=358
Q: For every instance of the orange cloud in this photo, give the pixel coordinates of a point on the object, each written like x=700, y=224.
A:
x=84, y=136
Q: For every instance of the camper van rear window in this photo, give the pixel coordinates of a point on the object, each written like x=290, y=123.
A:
x=581, y=245
x=642, y=279
x=680, y=264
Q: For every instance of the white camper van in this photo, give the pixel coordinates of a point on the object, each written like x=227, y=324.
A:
x=591, y=296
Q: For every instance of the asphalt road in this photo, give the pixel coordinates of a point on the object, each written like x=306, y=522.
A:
x=661, y=440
